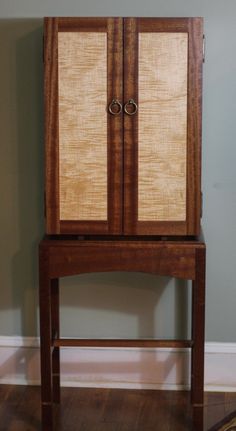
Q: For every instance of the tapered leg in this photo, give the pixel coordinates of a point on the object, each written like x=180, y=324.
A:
x=198, y=330
x=55, y=332
x=45, y=341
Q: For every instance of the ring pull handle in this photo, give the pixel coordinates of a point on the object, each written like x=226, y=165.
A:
x=134, y=105
x=115, y=103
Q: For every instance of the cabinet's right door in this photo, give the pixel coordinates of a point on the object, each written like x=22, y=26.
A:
x=162, y=125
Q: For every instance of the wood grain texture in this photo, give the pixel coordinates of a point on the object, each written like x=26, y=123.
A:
x=161, y=227
x=45, y=312
x=105, y=409
x=82, y=70
x=130, y=127
x=195, y=31
x=82, y=342
x=51, y=126
x=113, y=223
x=83, y=227
x=162, y=134
x=60, y=258
x=82, y=24
x=112, y=29
x=170, y=24
x=68, y=257
x=55, y=306
x=115, y=126
x=190, y=225
x=198, y=328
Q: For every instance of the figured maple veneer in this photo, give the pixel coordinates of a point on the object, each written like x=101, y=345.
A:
x=82, y=80
x=162, y=134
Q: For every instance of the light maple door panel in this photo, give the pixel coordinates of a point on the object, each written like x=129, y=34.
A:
x=82, y=83
x=162, y=126
x=162, y=140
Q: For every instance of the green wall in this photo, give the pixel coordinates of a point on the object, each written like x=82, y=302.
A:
x=115, y=304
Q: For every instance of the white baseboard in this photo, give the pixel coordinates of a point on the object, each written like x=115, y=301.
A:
x=132, y=368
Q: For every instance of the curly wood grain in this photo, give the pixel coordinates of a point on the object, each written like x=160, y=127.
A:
x=162, y=135
x=82, y=79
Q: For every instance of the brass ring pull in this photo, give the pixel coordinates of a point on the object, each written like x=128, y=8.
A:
x=115, y=102
x=134, y=107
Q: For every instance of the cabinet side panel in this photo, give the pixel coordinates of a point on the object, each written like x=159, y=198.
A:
x=82, y=80
x=162, y=134
x=51, y=126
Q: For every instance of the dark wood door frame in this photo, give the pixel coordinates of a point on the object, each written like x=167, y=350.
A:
x=194, y=28
x=114, y=29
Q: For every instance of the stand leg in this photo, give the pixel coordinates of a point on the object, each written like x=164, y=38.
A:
x=198, y=329
x=45, y=340
x=55, y=331
x=198, y=418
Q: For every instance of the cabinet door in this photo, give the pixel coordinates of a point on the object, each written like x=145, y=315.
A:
x=83, y=60
x=162, y=76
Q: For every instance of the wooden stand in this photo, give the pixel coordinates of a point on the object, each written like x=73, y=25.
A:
x=62, y=257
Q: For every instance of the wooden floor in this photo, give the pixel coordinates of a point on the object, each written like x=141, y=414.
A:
x=110, y=409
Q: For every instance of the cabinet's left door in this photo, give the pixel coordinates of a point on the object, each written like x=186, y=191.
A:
x=83, y=74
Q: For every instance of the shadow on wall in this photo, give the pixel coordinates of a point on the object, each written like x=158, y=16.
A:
x=109, y=367
x=22, y=224
x=157, y=306
x=135, y=305
x=21, y=172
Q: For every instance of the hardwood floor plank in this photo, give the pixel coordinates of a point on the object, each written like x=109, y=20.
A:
x=87, y=409
x=218, y=406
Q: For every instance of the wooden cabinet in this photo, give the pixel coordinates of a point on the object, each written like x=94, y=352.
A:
x=123, y=163
x=123, y=125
